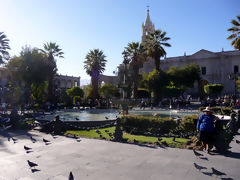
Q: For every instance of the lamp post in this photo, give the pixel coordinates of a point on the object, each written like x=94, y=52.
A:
x=125, y=62
x=234, y=77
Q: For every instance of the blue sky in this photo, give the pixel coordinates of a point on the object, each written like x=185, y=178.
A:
x=81, y=25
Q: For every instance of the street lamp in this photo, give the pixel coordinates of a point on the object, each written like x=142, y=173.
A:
x=234, y=76
x=125, y=62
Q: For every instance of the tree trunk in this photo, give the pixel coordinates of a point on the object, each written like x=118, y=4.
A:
x=94, y=80
x=157, y=62
x=135, y=81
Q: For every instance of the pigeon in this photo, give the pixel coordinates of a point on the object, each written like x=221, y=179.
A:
x=159, y=139
x=14, y=140
x=77, y=119
x=173, y=139
x=196, y=153
x=216, y=172
x=237, y=141
x=31, y=164
x=54, y=136
x=27, y=148
x=106, y=117
x=33, y=140
x=106, y=130
x=204, y=158
x=199, y=167
x=135, y=141
x=46, y=141
x=70, y=177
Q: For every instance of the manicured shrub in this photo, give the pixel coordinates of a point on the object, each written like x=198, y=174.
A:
x=152, y=125
x=188, y=124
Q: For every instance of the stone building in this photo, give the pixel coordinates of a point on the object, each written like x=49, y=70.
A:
x=216, y=67
x=66, y=82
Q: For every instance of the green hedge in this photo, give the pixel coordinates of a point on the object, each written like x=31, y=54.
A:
x=143, y=124
x=188, y=124
x=218, y=110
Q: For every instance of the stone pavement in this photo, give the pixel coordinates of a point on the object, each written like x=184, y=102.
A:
x=93, y=159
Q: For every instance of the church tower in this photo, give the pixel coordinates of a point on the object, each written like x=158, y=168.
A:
x=147, y=27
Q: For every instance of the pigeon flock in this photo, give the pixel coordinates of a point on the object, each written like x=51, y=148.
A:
x=200, y=168
x=32, y=165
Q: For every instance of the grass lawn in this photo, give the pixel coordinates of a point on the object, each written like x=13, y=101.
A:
x=179, y=142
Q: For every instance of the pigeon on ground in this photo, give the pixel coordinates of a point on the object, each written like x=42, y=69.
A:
x=204, y=158
x=14, y=140
x=33, y=140
x=216, y=172
x=106, y=130
x=46, y=141
x=159, y=139
x=196, y=153
x=31, y=164
x=27, y=148
x=199, y=167
x=77, y=119
x=135, y=141
x=70, y=177
x=106, y=117
x=173, y=139
x=237, y=141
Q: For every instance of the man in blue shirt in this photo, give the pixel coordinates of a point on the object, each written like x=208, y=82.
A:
x=205, y=125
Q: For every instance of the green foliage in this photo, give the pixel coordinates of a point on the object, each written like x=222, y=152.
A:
x=39, y=94
x=184, y=77
x=143, y=93
x=238, y=84
x=134, y=55
x=188, y=124
x=75, y=91
x=143, y=124
x=171, y=91
x=4, y=47
x=153, y=44
x=213, y=89
x=179, y=142
x=31, y=68
x=87, y=91
x=76, y=99
x=156, y=81
x=109, y=91
x=218, y=110
x=235, y=36
x=95, y=65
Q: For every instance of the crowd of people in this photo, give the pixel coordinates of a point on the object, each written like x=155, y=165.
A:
x=226, y=100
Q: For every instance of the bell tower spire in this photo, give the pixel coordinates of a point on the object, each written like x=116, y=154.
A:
x=148, y=26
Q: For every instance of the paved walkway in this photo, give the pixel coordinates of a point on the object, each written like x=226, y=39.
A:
x=93, y=159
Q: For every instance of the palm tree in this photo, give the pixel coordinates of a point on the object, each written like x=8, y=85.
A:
x=51, y=50
x=235, y=33
x=95, y=65
x=153, y=45
x=135, y=53
x=4, y=46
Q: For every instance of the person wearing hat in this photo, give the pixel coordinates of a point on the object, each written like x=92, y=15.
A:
x=205, y=126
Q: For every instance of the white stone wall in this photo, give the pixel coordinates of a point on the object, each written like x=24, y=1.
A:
x=218, y=66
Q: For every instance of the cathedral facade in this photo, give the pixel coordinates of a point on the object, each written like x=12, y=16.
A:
x=216, y=67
